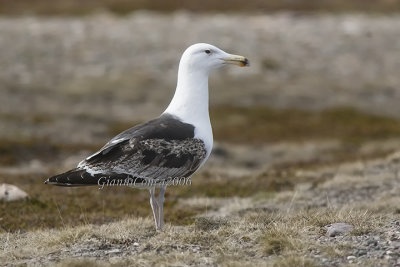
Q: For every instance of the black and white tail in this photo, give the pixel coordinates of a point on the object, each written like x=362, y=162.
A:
x=75, y=177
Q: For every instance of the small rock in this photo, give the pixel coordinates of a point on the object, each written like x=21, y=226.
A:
x=136, y=244
x=196, y=250
x=113, y=251
x=387, y=257
x=336, y=229
x=351, y=257
x=361, y=253
x=10, y=193
x=396, y=244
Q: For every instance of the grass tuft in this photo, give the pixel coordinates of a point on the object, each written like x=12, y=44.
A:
x=80, y=263
x=294, y=260
x=363, y=221
x=280, y=237
x=207, y=224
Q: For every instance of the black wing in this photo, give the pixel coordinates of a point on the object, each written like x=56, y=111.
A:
x=163, y=148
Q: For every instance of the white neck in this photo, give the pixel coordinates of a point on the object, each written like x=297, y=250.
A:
x=190, y=101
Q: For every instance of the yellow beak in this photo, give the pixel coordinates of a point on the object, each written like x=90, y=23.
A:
x=236, y=60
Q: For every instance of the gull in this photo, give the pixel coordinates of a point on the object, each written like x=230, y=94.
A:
x=173, y=146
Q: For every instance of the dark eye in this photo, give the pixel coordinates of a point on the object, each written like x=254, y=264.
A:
x=207, y=51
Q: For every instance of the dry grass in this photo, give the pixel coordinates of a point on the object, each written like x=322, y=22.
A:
x=278, y=240
x=364, y=222
x=276, y=230
x=285, y=238
x=291, y=232
x=294, y=260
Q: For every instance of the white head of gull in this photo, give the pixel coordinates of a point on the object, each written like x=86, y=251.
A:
x=173, y=146
x=190, y=101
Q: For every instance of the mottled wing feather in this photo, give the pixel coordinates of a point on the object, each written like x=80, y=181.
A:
x=149, y=158
x=163, y=148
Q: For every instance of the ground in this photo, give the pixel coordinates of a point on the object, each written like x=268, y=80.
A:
x=309, y=135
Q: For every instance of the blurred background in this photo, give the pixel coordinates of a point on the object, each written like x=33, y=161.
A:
x=322, y=89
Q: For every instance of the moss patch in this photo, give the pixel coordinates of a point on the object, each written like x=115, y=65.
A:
x=263, y=125
x=208, y=186
x=14, y=151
